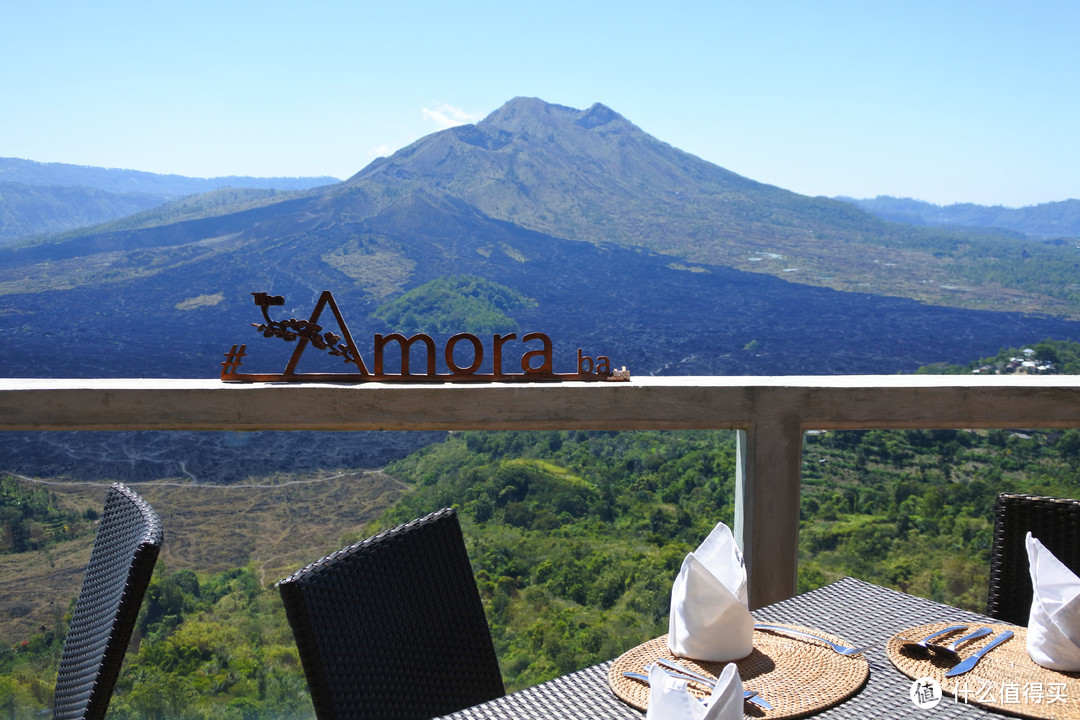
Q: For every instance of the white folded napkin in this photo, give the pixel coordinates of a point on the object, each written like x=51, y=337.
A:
x=709, y=619
x=669, y=700
x=1053, y=634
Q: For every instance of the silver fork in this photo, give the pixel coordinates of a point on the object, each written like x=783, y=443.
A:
x=921, y=648
x=948, y=652
x=840, y=649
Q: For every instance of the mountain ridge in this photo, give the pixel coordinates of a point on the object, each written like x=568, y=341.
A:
x=32, y=172
x=41, y=198
x=29, y=210
x=1059, y=219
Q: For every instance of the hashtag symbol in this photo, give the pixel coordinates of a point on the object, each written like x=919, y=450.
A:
x=233, y=359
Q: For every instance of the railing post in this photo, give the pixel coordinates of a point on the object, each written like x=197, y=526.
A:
x=767, y=494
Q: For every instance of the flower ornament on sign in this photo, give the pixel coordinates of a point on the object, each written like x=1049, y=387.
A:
x=536, y=358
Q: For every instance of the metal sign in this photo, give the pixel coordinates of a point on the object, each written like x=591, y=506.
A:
x=532, y=353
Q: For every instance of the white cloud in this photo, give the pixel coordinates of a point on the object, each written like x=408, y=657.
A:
x=381, y=151
x=448, y=116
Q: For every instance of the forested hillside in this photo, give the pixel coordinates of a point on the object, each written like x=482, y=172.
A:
x=575, y=538
x=30, y=518
x=27, y=210
x=118, y=180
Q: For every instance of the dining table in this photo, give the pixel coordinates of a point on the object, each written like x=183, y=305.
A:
x=862, y=613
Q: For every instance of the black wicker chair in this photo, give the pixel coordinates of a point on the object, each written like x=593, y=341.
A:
x=1056, y=524
x=393, y=626
x=125, y=550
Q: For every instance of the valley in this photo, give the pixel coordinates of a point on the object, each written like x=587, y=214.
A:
x=274, y=527
x=574, y=538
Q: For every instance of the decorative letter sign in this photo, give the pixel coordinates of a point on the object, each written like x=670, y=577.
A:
x=463, y=353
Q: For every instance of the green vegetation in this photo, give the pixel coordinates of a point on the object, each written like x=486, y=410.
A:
x=220, y=649
x=216, y=648
x=575, y=537
x=30, y=518
x=1041, y=269
x=455, y=303
x=913, y=509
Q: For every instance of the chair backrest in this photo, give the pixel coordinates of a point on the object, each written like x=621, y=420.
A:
x=125, y=550
x=393, y=626
x=1056, y=524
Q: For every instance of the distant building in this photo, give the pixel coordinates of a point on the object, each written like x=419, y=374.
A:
x=1029, y=364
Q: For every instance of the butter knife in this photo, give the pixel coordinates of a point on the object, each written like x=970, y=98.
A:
x=674, y=667
x=970, y=662
x=750, y=696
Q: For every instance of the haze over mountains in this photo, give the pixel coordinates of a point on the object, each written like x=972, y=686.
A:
x=38, y=198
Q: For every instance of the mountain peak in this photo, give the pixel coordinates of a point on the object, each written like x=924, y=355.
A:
x=522, y=125
x=552, y=168
x=597, y=115
x=524, y=114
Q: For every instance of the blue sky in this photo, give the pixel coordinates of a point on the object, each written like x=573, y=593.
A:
x=945, y=101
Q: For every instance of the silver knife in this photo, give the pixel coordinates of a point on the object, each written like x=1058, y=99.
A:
x=750, y=696
x=967, y=664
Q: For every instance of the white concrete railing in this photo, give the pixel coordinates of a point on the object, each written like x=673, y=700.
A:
x=771, y=415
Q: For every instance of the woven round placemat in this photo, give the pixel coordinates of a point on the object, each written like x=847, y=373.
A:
x=797, y=677
x=1005, y=679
